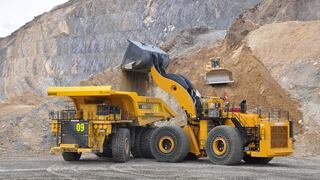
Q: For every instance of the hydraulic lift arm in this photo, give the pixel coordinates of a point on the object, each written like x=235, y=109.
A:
x=176, y=90
x=143, y=58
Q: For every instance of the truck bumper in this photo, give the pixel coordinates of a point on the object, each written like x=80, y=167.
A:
x=271, y=153
x=71, y=148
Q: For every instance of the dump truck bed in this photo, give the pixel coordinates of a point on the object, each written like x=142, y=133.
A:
x=142, y=109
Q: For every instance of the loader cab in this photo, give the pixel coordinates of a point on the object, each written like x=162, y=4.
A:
x=215, y=63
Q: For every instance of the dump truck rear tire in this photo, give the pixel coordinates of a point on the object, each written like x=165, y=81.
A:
x=121, y=145
x=169, y=144
x=256, y=160
x=146, y=142
x=224, y=145
x=71, y=156
x=136, y=151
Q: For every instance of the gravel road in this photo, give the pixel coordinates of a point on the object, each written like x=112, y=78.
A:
x=91, y=167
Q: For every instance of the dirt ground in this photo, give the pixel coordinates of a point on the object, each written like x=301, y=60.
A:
x=91, y=167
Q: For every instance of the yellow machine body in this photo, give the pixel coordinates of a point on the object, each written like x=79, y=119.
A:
x=271, y=135
x=225, y=134
x=133, y=110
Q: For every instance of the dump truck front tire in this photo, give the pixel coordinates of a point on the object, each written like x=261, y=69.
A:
x=71, y=156
x=256, y=160
x=146, y=142
x=121, y=145
x=224, y=145
x=169, y=144
x=107, y=150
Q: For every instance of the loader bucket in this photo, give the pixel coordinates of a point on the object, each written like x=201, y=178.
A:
x=140, y=57
x=218, y=76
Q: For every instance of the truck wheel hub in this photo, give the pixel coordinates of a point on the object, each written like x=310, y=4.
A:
x=219, y=146
x=166, y=144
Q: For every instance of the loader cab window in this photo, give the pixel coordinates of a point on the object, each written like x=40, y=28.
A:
x=215, y=63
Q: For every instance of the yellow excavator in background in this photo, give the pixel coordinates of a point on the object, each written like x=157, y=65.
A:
x=225, y=134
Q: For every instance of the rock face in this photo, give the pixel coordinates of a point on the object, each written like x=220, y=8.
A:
x=84, y=37
x=288, y=52
x=270, y=11
x=80, y=39
x=282, y=36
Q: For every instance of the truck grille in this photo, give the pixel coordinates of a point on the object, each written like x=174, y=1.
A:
x=74, y=132
x=279, y=136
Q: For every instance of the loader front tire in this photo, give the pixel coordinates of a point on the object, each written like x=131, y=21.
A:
x=71, y=156
x=146, y=142
x=169, y=144
x=121, y=146
x=224, y=145
x=256, y=160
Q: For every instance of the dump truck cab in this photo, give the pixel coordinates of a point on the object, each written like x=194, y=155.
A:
x=103, y=121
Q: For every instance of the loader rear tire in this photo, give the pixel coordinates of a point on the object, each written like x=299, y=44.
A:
x=224, y=145
x=121, y=145
x=146, y=142
x=169, y=144
x=136, y=151
x=71, y=156
x=256, y=160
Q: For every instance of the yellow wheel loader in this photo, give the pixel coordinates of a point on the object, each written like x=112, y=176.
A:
x=106, y=122
x=225, y=134
x=216, y=73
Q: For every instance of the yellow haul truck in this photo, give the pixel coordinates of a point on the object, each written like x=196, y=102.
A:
x=225, y=134
x=105, y=122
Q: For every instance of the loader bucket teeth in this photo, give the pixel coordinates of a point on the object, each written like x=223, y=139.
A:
x=139, y=57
